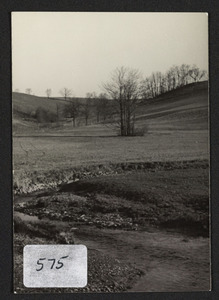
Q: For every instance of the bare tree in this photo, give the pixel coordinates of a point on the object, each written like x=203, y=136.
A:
x=48, y=92
x=57, y=112
x=86, y=107
x=28, y=91
x=196, y=74
x=65, y=92
x=72, y=110
x=184, y=74
x=124, y=88
x=99, y=103
x=102, y=107
x=146, y=92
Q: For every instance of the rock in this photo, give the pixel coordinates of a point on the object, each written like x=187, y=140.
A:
x=66, y=218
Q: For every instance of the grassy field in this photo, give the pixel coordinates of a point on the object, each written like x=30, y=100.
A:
x=46, y=159
x=176, y=128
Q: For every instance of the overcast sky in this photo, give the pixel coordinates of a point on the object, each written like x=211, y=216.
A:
x=80, y=50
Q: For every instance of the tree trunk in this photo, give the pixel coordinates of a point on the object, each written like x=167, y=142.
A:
x=128, y=120
x=121, y=118
x=57, y=112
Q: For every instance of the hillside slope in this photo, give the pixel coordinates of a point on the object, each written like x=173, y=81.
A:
x=185, y=108
x=24, y=104
x=27, y=104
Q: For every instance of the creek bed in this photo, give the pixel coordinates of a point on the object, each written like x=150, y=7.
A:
x=171, y=261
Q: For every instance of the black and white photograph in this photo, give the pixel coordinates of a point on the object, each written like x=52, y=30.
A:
x=110, y=132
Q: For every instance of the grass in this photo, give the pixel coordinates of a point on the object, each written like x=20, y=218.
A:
x=173, y=196
x=25, y=103
x=141, y=185
x=40, y=153
x=39, y=160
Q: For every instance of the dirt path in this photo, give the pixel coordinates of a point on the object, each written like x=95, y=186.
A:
x=170, y=261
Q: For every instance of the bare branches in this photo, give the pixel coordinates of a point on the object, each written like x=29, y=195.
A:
x=124, y=88
x=175, y=77
x=196, y=74
x=72, y=110
x=65, y=92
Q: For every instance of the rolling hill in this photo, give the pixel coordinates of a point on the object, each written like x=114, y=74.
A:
x=24, y=104
x=185, y=108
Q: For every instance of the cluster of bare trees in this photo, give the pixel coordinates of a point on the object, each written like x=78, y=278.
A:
x=92, y=107
x=72, y=110
x=103, y=107
x=127, y=88
x=124, y=89
x=177, y=76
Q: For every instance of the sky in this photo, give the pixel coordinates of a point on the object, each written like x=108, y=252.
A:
x=79, y=50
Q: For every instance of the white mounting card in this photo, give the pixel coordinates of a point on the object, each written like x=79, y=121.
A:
x=55, y=266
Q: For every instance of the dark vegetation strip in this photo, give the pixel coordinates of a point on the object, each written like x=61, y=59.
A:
x=165, y=197
x=64, y=136
x=32, y=181
x=131, y=199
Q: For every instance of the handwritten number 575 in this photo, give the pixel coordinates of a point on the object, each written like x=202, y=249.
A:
x=58, y=266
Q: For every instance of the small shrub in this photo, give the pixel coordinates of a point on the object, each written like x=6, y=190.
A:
x=141, y=131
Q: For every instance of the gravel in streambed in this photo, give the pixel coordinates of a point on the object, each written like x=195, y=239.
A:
x=105, y=274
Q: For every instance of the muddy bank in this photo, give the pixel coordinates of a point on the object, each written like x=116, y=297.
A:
x=26, y=182
x=132, y=200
